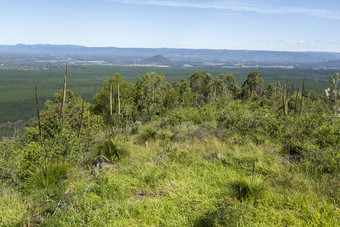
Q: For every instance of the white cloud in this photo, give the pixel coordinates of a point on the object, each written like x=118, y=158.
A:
x=257, y=6
x=300, y=42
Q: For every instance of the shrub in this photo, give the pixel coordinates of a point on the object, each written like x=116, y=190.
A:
x=134, y=130
x=323, y=161
x=260, y=122
x=166, y=135
x=196, y=115
x=327, y=136
x=32, y=156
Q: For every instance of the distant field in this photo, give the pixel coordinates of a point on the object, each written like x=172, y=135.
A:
x=17, y=86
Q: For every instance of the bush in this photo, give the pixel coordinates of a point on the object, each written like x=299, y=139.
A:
x=195, y=115
x=166, y=135
x=260, y=122
x=327, y=136
x=32, y=156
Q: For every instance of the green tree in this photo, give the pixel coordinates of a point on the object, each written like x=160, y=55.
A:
x=102, y=99
x=185, y=94
x=171, y=95
x=51, y=123
x=229, y=85
x=199, y=84
x=273, y=91
x=148, y=98
x=253, y=86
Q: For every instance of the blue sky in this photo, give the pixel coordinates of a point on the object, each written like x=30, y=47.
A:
x=300, y=25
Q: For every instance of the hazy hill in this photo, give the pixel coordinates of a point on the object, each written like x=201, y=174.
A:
x=158, y=59
x=113, y=55
x=161, y=60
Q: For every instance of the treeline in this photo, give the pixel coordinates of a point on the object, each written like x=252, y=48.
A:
x=17, y=90
x=152, y=97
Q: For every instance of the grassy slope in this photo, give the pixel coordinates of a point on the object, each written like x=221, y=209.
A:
x=178, y=184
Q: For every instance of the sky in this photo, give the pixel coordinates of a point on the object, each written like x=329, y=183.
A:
x=280, y=25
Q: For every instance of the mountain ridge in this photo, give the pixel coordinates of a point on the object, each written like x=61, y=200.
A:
x=118, y=55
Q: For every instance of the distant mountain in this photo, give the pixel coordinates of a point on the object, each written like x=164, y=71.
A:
x=168, y=56
x=158, y=59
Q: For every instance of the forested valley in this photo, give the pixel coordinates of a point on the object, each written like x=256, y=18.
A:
x=204, y=151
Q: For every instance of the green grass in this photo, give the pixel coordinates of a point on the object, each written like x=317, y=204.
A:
x=179, y=184
x=12, y=208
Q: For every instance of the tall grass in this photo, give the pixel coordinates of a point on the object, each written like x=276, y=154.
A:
x=180, y=183
x=48, y=173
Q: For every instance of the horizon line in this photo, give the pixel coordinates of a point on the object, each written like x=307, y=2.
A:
x=175, y=48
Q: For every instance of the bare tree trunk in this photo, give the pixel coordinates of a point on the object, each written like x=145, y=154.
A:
x=63, y=98
x=336, y=104
x=303, y=89
x=283, y=100
x=118, y=101
x=110, y=100
x=81, y=117
x=119, y=119
x=296, y=100
x=37, y=106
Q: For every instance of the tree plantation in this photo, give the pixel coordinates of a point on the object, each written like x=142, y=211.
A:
x=203, y=151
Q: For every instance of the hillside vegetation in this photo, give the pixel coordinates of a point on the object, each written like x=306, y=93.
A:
x=204, y=151
x=17, y=86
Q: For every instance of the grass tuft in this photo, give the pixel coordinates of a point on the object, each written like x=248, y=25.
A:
x=47, y=174
x=148, y=134
x=244, y=190
x=113, y=152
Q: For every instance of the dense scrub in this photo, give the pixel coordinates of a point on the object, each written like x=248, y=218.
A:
x=201, y=152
